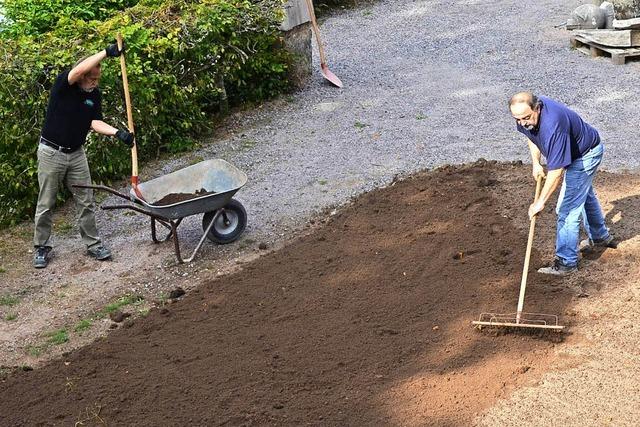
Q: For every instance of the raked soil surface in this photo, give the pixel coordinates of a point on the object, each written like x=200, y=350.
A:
x=364, y=321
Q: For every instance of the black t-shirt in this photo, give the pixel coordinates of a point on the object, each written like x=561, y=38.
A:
x=70, y=113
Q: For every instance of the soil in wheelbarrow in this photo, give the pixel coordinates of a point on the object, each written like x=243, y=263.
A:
x=365, y=320
x=173, y=198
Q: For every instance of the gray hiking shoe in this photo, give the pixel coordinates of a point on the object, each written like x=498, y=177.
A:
x=587, y=245
x=99, y=252
x=558, y=269
x=41, y=256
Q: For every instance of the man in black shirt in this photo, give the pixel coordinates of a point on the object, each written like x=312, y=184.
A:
x=74, y=108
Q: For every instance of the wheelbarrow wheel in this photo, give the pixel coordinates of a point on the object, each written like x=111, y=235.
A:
x=229, y=225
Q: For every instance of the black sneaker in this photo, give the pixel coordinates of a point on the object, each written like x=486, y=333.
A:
x=99, y=252
x=588, y=245
x=558, y=269
x=41, y=257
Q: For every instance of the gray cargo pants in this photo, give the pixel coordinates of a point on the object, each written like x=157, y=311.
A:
x=54, y=169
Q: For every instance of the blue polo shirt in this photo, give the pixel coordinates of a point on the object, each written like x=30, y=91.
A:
x=562, y=136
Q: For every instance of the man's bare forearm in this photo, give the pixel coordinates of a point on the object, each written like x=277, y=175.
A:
x=85, y=66
x=554, y=178
x=103, y=128
x=535, y=153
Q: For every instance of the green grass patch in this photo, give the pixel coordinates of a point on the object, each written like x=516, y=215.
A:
x=8, y=300
x=58, y=337
x=82, y=326
x=248, y=144
x=323, y=182
x=4, y=371
x=163, y=297
x=36, y=350
x=10, y=317
x=63, y=227
x=122, y=302
x=360, y=125
x=420, y=117
x=196, y=160
x=2, y=270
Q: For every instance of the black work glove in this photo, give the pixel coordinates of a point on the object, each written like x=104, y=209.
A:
x=113, y=51
x=126, y=137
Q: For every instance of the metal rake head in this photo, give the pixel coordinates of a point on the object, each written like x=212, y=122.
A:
x=519, y=320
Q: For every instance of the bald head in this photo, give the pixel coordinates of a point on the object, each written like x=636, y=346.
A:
x=527, y=98
x=525, y=108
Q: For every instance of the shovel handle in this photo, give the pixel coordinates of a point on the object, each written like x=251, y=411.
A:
x=127, y=101
x=316, y=30
x=527, y=257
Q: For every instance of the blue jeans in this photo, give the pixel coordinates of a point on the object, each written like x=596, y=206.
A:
x=578, y=200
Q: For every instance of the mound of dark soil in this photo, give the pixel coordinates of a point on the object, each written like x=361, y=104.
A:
x=365, y=321
x=173, y=198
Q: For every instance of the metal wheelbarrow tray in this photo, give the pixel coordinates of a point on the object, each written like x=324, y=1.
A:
x=224, y=218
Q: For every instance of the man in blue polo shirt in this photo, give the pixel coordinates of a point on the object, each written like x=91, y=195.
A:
x=573, y=150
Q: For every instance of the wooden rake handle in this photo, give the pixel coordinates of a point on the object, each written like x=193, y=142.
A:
x=527, y=257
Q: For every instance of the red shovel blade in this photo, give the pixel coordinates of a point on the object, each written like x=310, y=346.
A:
x=333, y=79
x=134, y=185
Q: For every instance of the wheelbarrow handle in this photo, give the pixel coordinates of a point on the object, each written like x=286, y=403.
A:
x=104, y=188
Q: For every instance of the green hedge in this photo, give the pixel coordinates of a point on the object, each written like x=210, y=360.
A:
x=178, y=53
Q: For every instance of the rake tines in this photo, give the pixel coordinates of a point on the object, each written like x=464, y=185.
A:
x=521, y=320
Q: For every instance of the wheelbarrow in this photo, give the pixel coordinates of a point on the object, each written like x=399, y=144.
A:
x=210, y=184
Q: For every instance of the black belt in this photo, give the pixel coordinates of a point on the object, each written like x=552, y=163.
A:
x=60, y=148
x=595, y=146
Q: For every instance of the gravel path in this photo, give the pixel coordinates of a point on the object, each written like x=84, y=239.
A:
x=426, y=84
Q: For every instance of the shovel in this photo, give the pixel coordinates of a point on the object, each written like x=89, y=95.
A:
x=127, y=100
x=326, y=73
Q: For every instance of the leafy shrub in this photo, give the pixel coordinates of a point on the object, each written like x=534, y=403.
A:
x=181, y=57
x=39, y=16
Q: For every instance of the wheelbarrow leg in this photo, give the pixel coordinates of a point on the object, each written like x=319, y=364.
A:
x=173, y=225
x=166, y=225
x=204, y=236
x=176, y=242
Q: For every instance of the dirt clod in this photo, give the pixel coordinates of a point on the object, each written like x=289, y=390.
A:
x=176, y=293
x=118, y=316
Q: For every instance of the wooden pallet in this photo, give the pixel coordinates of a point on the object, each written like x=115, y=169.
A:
x=618, y=55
